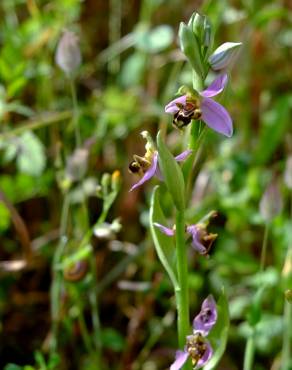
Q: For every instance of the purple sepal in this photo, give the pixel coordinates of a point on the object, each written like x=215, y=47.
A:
x=149, y=173
x=207, y=317
x=206, y=357
x=194, y=231
x=216, y=87
x=180, y=359
x=172, y=107
x=165, y=230
x=216, y=117
x=182, y=156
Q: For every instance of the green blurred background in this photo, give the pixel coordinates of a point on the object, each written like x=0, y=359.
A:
x=131, y=67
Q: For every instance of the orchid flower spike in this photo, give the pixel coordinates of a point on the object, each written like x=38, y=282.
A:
x=197, y=347
x=147, y=166
x=201, y=106
x=201, y=239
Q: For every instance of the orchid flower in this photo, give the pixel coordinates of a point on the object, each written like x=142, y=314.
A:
x=199, y=105
x=197, y=347
x=201, y=240
x=147, y=166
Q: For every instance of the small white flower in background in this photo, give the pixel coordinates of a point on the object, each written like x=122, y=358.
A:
x=224, y=55
x=271, y=203
x=68, y=55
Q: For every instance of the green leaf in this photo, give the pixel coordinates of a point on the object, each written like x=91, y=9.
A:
x=255, y=312
x=31, y=158
x=155, y=40
x=273, y=129
x=191, y=48
x=12, y=367
x=4, y=217
x=219, y=334
x=172, y=174
x=164, y=244
x=113, y=340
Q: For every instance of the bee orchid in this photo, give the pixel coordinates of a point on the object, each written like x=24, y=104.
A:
x=201, y=106
x=147, y=166
x=201, y=239
x=197, y=347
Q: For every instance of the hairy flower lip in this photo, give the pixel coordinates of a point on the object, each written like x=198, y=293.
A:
x=213, y=113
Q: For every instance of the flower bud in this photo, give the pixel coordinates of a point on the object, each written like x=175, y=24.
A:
x=271, y=203
x=116, y=181
x=105, y=183
x=196, y=23
x=77, y=164
x=207, y=36
x=288, y=173
x=223, y=55
x=68, y=56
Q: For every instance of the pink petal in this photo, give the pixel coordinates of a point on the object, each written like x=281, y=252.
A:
x=207, y=317
x=149, y=173
x=196, y=240
x=172, y=106
x=180, y=358
x=182, y=156
x=165, y=230
x=216, y=87
x=216, y=117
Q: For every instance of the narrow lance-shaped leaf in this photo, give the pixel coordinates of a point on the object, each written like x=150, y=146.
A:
x=219, y=334
x=172, y=174
x=164, y=245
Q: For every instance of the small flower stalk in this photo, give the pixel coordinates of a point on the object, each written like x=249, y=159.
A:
x=197, y=347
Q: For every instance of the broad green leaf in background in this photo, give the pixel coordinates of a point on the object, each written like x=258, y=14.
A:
x=273, y=129
x=164, y=245
x=172, y=174
x=31, y=158
x=4, y=217
x=155, y=40
x=219, y=334
x=112, y=339
x=255, y=312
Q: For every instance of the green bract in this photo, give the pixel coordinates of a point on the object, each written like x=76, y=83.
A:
x=172, y=174
x=163, y=244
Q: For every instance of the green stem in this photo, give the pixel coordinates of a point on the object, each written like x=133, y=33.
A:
x=95, y=314
x=249, y=352
x=84, y=331
x=182, y=292
x=75, y=112
x=287, y=336
x=57, y=274
x=264, y=248
x=36, y=123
